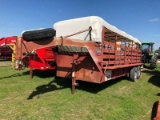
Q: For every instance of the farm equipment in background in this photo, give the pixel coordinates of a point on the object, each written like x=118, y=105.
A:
x=5, y=52
x=158, y=52
x=41, y=59
x=88, y=49
x=7, y=48
x=149, y=55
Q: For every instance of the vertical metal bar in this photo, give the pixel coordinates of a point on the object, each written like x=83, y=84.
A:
x=13, y=55
x=73, y=77
x=31, y=73
x=13, y=47
x=90, y=29
x=73, y=85
x=109, y=52
x=120, y=53
x=18, y=48
x=140, y=51
x=125, y=52
x=102, y=49
x=103, y=42
x=136, y=54
x=115, y=50
x=31, y=67
x=75, y=56
x=132, y=52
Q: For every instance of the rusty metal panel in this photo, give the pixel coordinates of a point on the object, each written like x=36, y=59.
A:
x=64, y=65
x=85, y=68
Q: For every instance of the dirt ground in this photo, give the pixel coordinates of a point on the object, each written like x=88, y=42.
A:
x=5, y=63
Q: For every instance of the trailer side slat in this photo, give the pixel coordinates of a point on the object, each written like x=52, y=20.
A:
x=119, y=50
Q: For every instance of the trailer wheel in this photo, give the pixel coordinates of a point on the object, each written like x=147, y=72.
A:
x=138, y=72
x=153, y=62
x=133, y=74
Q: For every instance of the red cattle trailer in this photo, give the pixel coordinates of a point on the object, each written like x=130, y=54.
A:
x=90, y=49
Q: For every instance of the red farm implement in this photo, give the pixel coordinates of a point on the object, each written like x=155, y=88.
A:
x=5, y=52
x=41, y=59
x=37, y=59
x=97, y=54
x=6, y=47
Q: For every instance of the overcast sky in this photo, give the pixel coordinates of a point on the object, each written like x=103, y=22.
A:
x=139, y=18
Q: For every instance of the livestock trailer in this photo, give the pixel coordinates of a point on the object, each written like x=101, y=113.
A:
x=90, y=49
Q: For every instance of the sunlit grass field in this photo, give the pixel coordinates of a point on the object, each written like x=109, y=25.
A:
x=46, y=97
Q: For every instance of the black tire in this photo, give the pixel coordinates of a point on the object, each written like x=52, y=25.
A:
x=138, y=72
x=153, y=62
x=38, y=34
x=133, y=74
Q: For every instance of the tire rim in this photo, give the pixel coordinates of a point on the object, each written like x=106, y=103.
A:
x=135, y=75
x=138, y=73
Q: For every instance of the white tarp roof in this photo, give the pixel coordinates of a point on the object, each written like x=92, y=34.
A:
x=71, y=26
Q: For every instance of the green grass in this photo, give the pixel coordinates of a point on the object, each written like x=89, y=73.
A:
x=49, y=98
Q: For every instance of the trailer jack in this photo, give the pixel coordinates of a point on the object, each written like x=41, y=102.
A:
x=74, y=84
x=19, y=65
